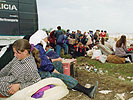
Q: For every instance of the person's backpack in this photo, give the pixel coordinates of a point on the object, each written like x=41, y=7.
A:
x=95, y=35
x=60, y=39
x=51, y=38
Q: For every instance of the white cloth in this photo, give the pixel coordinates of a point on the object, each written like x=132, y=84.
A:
x=3, y=50
x=55, y=93
x=37, y=37
x=44, y=44
x=96, y=53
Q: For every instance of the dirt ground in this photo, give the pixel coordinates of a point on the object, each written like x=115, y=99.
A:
x=106, y=82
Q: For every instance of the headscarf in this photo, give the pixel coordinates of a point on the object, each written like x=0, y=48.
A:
x=38, y=37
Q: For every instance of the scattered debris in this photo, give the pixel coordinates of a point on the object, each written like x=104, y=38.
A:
x=106, y=71
x=100, y=71
x=131, y=92
x=129, y=77
x=95, y=70
x=91, y=68
x=74, y=90
x=131, y=98
x=120, y=96
x=117, y=73
x=105, y=91
x=121, y=78
x=88, y=85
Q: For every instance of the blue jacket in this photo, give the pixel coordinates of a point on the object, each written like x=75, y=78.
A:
x=51, y=54
x=46, y=64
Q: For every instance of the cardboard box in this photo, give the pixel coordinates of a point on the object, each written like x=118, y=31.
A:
x=71, y=41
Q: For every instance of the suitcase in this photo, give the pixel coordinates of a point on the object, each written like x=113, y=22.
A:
x=68, y=66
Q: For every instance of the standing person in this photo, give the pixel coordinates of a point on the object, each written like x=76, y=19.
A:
x=51, y=40
x=68, y=33
x=92, y=36
x=21, y=71
x=96, y=36
x=107, y=36
x=65, y=44
x=102, y=34
x=59, y=35
x=73, y=35
x=89, y=42
x=81, y=39
x=78, y=34
x=121, y=48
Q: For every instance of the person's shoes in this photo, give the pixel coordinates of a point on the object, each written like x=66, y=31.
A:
x=92, y=90
x=127, y=59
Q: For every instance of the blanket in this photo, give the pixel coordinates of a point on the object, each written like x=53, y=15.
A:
x=59, y=91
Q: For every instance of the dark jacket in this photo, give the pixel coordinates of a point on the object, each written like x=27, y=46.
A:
x=46, y=64
x=6, y=57
x=51, y=54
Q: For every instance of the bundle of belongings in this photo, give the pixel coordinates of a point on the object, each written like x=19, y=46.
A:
x=115, y=59
x=104, y=49
x=46, y=89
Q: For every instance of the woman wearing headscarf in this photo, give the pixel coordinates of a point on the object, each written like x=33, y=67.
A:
x=47, y=69
x=39, y=37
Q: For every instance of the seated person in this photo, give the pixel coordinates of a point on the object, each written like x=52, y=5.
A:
x=56, y=60
x=22, y=71
x=130, y=48
x=68, y=80
x=50, y=53
x=46, y=69
x=8, y=54
x=121, y=48
x=80, y=50
x=89, y=42
x=105, y=49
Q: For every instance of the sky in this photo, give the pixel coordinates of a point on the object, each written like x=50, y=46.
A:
x=115, y=16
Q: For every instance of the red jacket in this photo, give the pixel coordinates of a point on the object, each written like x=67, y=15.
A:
x=130, y=49
x=102, y=34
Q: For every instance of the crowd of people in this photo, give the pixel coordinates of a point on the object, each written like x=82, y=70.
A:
x=78, y=43
x=31, y=62
x=38, y=56
x=75, y=43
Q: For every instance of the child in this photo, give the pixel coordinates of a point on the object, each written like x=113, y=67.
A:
x=80, y=50
x=21, y=71
x=130, y=48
